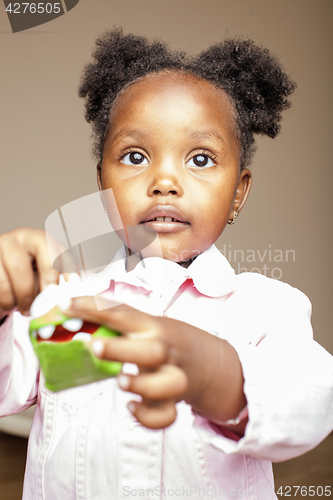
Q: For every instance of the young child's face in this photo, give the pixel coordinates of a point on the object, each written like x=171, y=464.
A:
x=171, y=153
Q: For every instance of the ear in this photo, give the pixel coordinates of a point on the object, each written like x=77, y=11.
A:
x=243, y=189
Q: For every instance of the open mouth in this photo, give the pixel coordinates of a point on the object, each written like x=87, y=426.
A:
x=166, y=219
x=165, y=224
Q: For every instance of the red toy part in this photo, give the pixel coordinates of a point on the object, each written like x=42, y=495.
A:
x=66, y=331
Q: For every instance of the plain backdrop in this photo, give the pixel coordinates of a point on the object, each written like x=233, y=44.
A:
x=45, y=141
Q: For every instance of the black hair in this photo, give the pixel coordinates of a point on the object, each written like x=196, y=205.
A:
x=246, y=72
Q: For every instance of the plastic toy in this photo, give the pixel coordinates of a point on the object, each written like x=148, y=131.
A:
x=60, y=345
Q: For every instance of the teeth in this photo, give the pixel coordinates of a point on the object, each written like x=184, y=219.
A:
x=84, y=336
x=73, y=324
x=46, y=332
x=164, y=219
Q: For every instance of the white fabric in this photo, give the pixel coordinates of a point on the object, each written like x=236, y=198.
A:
x=84, y=444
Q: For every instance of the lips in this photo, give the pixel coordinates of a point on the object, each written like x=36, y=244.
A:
x=164, y=213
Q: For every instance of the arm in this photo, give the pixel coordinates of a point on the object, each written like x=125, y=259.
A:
x=25, y=268
x=18, y=366
x=288, y=377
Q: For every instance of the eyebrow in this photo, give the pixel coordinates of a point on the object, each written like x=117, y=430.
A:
x=196, y=134
x=135, y=134
x=212, y=135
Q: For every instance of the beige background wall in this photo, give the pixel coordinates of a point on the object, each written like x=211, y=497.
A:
x=45, y=145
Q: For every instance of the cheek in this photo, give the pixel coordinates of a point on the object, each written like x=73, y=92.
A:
x=113, y=208
x=215, y=204
x=213, y=228
x=213, y=216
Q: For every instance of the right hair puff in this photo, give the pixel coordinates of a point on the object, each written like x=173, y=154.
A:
x=255, y=81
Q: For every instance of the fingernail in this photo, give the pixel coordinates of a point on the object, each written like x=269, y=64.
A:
x=97, y=347
x=123, y=381
x=25, y=313
x=65, y=304
x=131, y=406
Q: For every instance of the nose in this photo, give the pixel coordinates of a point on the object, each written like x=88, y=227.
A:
x=165, y=180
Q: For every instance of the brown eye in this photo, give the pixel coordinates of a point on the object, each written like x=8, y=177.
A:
x=134, y=158
x=200, y=161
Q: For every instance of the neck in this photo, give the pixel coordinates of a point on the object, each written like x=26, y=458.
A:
x=132, y=259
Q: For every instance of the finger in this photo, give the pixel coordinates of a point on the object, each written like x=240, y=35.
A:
x=169, y=382
x=158, y=416
x=38, y=247
x=19, y=285
x=64, y=260
x=148, y=353
x=89, y=307
x=118, y=317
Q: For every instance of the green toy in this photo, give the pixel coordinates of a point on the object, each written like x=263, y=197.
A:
x=66, y=360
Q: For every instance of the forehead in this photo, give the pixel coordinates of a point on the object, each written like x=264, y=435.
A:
x=176, y=95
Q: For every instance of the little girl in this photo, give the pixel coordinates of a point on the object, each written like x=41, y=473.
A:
x=225, y=373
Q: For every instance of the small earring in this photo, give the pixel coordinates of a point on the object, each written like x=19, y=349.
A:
x=233, y=220
x=105, y=210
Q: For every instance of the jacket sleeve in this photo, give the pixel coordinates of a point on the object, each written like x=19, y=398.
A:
x=19, y=370
x=288, y=382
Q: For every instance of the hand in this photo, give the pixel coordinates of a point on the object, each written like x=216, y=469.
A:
x=161, y=382
x=25, y=268
x=176, y=361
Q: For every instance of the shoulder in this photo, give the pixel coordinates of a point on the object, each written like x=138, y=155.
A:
x=260, y=290
x=271, y=307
